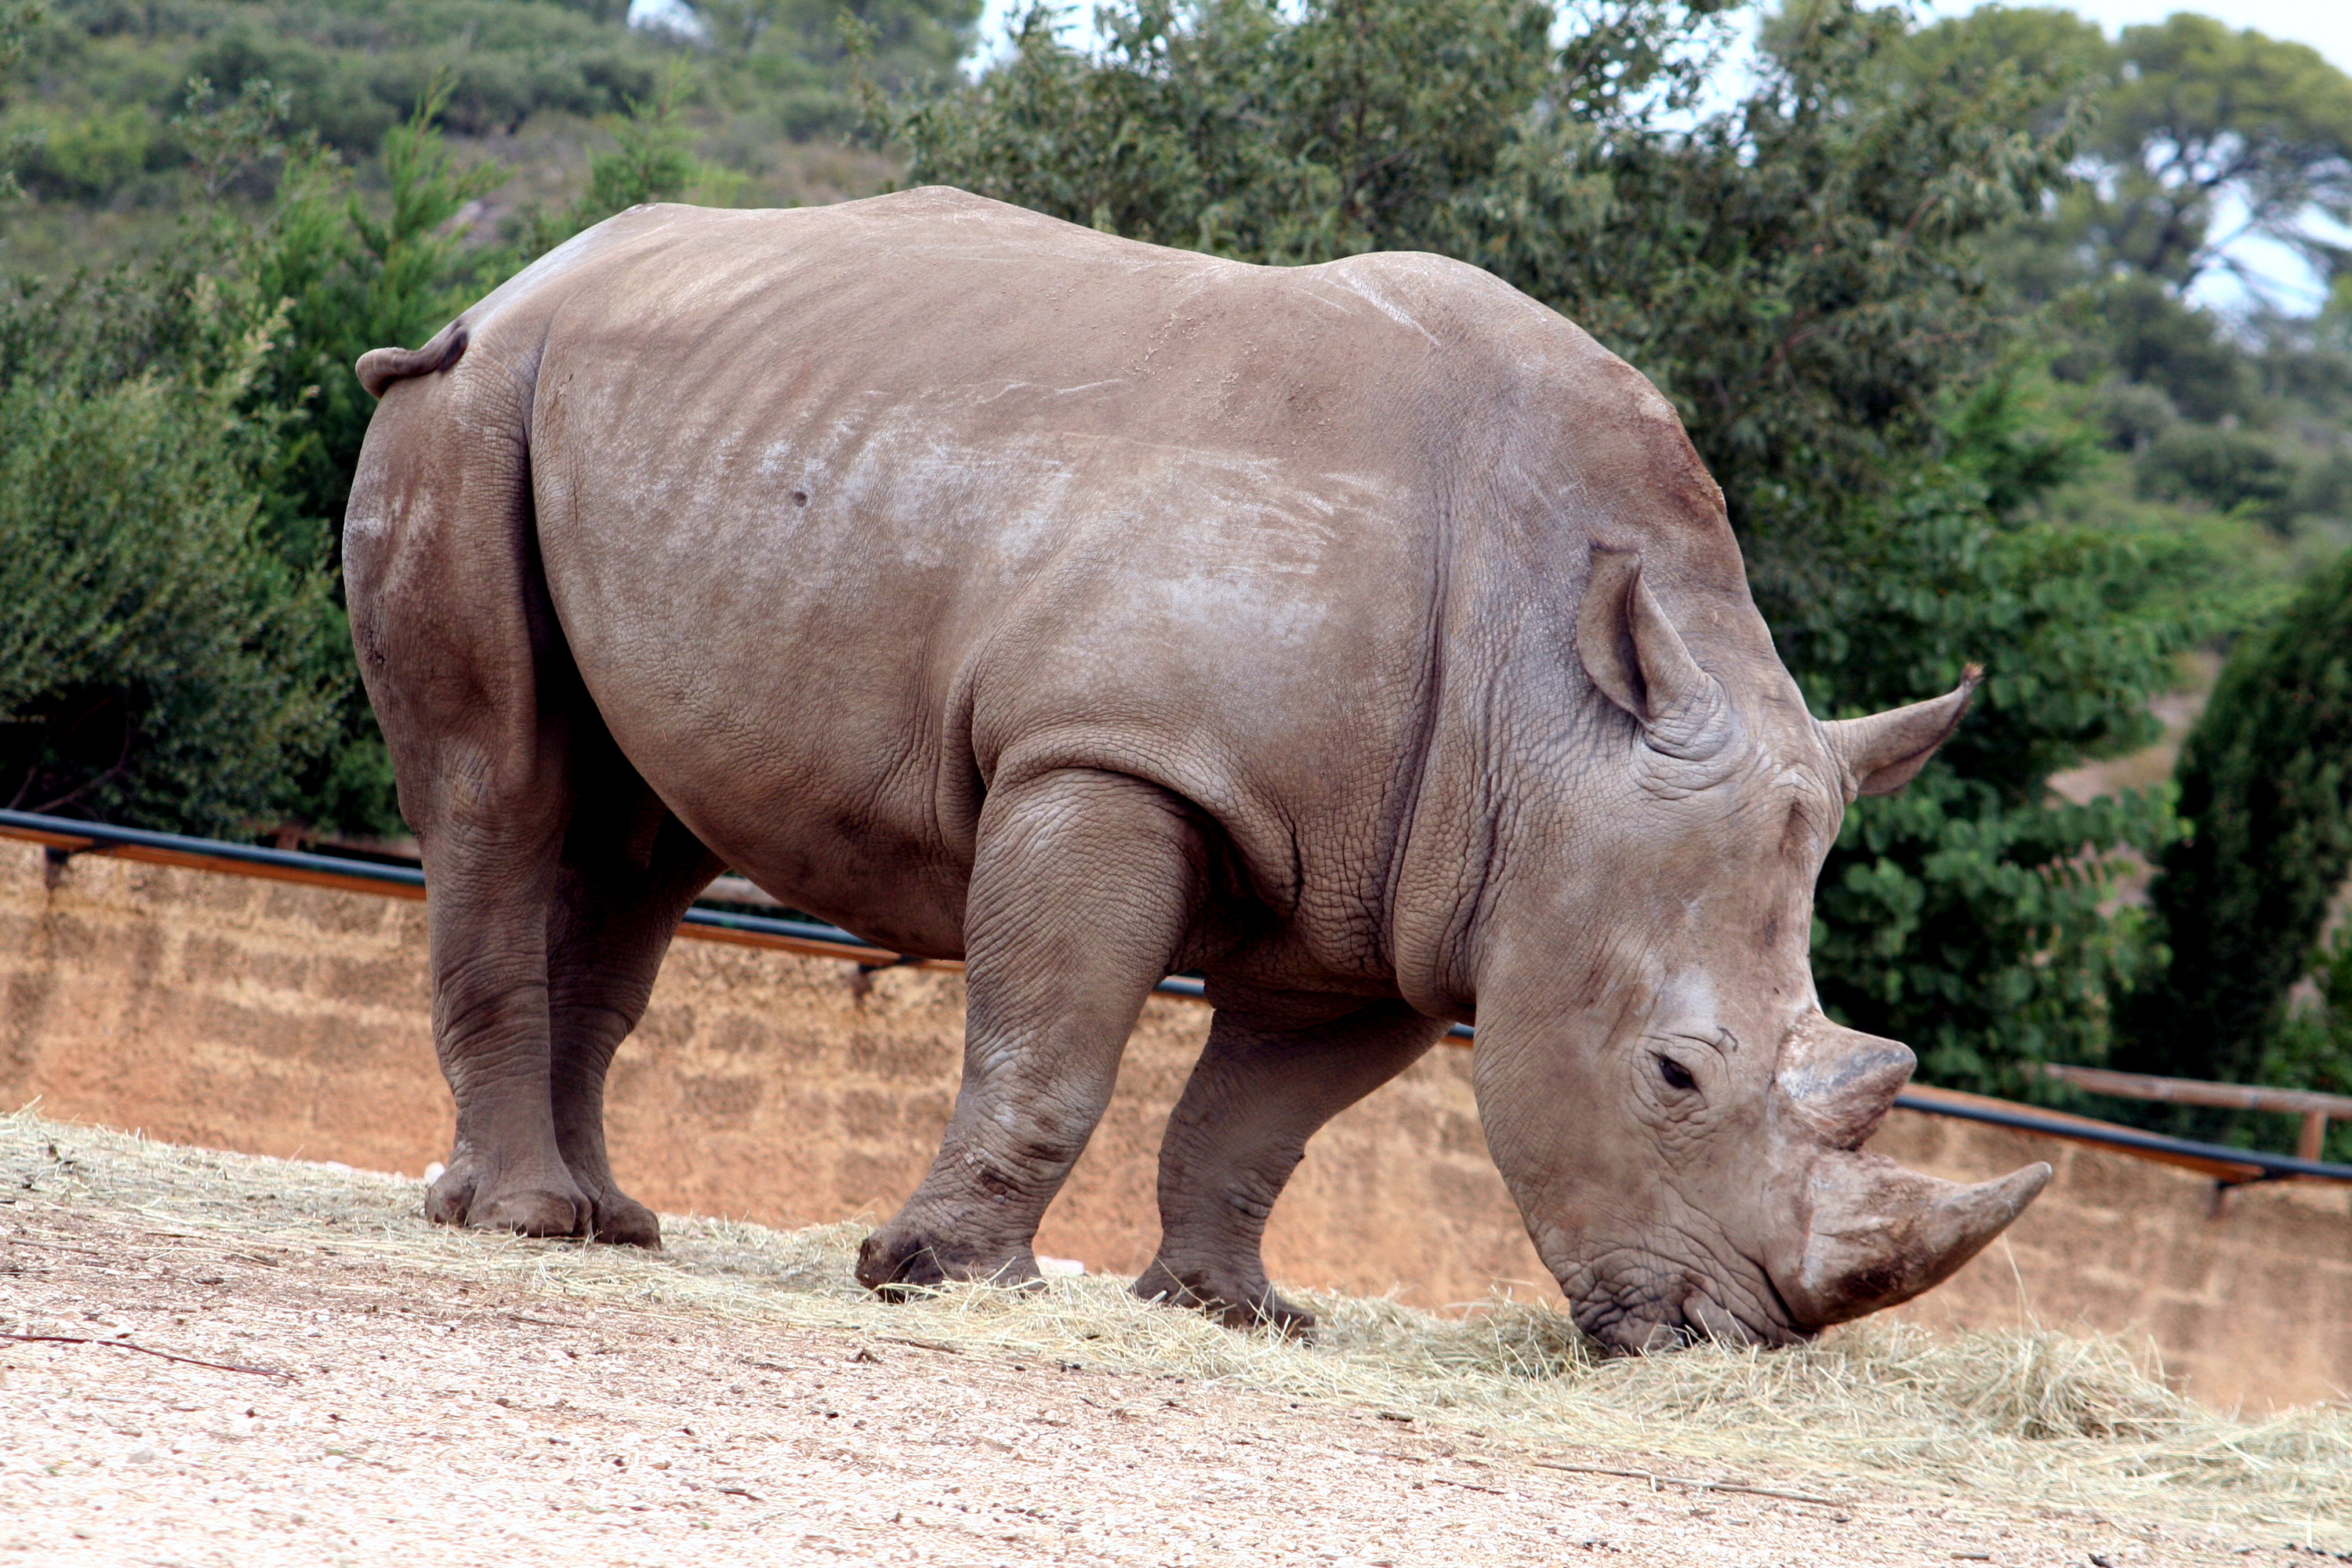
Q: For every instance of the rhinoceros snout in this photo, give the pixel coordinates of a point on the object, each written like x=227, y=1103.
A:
x=1866, y=1234
x=1635, y=1301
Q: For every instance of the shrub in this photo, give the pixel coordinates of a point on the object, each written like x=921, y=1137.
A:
x=159, y=662
x=2228, y=471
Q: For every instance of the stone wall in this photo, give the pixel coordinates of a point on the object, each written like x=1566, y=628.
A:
x=285, y=1020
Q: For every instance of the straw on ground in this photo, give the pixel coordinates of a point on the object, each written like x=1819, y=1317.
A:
x=2039, y=1417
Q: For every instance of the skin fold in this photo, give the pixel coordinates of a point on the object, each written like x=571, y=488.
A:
x=1362, y=635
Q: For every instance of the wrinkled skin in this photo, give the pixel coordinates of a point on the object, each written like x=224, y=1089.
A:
x=1363, y=636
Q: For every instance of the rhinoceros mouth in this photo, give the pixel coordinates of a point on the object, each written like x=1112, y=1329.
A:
x=1635, y=1302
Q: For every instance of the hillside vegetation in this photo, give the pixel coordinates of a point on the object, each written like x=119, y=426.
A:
x=107, y=137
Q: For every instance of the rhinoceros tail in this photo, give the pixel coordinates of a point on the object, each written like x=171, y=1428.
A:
x=379, y=368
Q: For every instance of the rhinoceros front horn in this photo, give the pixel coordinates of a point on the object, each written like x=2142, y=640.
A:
x=1880, y=1234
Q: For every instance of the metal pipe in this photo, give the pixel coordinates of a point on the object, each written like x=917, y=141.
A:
x=2273, y=1167
x=74, y=837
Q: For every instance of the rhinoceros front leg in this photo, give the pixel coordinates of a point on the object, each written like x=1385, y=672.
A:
x=1274, y=1070
x=1083, y=884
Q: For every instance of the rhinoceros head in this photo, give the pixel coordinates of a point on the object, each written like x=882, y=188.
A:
x=1679, y=1122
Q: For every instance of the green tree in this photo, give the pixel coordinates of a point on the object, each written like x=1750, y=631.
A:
x=161, y=661
x=224, y=138
x=19, y=20
x=1799, y=272
x=2266, y=780
x=1970, y=915
x=2203, y=116
x=357, y=276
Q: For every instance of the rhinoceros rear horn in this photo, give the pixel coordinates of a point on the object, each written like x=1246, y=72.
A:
x=1885, y=751
x=1639, y=662
x=1840, y=1081
x=1881, y=1234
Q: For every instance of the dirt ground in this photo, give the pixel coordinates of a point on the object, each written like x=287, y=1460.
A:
x=365, y=1413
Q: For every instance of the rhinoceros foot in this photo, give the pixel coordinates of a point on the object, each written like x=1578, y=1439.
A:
x=1227, y=1296
x=900, y=1258
x=619, y=1218
x=527, y=1202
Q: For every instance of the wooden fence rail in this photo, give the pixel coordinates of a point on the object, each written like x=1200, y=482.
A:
x=2316, y=1109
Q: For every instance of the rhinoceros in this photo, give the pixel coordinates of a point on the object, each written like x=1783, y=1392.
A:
x=1362, y=637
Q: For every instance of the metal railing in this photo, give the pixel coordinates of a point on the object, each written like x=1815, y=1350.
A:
x=64, y=839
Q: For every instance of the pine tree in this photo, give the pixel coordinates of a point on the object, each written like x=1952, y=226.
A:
x=2266, y=780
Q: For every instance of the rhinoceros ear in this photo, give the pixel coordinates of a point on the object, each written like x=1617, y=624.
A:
x=1640, y=662
x=1885, y=751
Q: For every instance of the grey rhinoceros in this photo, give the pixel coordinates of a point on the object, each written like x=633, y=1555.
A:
x=1361, y=636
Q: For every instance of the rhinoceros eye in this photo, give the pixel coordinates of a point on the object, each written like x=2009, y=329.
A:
x=1675, y=1074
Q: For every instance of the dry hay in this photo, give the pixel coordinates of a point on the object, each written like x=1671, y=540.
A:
x=2035, y=1417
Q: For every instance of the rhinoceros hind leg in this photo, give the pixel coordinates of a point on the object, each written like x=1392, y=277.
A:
x=489, y=860
x=1084, y=885
x=1274, y=1070
x=458, y=1199
x=463, y=659
x=630, y=870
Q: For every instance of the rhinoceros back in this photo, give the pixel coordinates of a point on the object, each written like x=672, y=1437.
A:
x=845, y=511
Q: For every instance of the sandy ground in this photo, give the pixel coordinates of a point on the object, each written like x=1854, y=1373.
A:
x=386, y=1413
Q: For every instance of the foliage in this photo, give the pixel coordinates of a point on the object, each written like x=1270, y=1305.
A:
x=798, y=53
x=102, y=128
x=350, y=71
x=224, y=138
x=1230, y=128
x=651, y=160
x=161, y=661
x=2203, y=118
x=2266, y=780
x=1970, y=915
x=2229, y=470
x=1797, y=272
x=356, y=276
x=19, y=18
x=2312, y=1048
x=2190, y=121
x=2187, y=123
